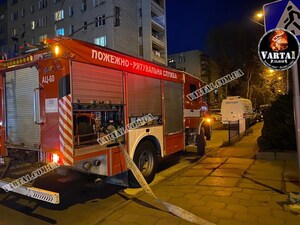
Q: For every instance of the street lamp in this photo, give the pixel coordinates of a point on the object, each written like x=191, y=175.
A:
x=258, y=16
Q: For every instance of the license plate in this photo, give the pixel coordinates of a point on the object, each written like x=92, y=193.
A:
x=2, y=161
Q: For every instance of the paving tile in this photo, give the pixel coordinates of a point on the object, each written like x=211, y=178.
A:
x=265, y=220
x=292, y=187
x=206, y=166
x=249, y=202
x=241, y=195
x=234, y=166
x=184, y=181
x=229, y=222
x=195, y=196
x=222, y=213
x=279, y=197
x=287, y=216
x=213, y=160
x=229, y=200
x=215, y=205
x=222, y=193
x=237, y=208
x=219, y=181
x=240, y=161
x=291, y=176
x=262, y=197
x=244, y=217
x=261, y=184
x=227, y=173
x=147, y=220
x=258, y=210
x=196, y=173
x=233, y=189
x=127, y=218
x=169, y=220
x=265, y=175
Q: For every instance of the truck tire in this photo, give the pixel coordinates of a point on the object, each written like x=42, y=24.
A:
x=145, y=158
x=200, y=141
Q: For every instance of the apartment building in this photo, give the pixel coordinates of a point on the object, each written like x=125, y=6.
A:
x=3, y=26
x=135, y=27
x=199, y=65
x=193, y=62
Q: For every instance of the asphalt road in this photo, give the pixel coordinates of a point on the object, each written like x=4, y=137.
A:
x=84, y=202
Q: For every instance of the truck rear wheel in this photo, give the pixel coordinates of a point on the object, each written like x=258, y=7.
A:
x=200, y=141
x=145, y=157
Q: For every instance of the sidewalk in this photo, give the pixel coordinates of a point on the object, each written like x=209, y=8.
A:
x=227, y=187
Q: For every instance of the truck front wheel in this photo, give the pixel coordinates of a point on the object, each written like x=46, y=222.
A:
x=200, y=142
x=145, y=158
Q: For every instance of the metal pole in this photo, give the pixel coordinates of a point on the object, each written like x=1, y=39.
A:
x=296, y=111
x=287, y=82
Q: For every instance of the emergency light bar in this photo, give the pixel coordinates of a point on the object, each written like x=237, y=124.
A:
x=18, y=61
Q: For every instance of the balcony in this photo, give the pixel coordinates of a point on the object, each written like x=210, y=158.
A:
x=158, y=57
x=159, y=4
x=158, y=23
x=158, y=43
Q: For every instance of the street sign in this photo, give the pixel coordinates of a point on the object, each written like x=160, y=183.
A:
x=283, y=14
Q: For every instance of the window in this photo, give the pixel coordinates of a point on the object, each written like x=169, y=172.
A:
x=32, y=8
x=71, y=29
x=42, y=4
x=43, y=37
x=100, y=20
x=193, y=87
x=103, y=20
x=14, y=2
x=60, y=31
x=23, y=30
x=14, y=32
x=23, y=12
x=43, y=21
x=71, y=11
x=84, y=26
x=96, y=3
x=55, y=1
x=83, y=5
x=1, y=17
x=100, y=41
x=33, y=25
x=14, y=16
x=140, y=12
x=140, y=31
x=59, y=15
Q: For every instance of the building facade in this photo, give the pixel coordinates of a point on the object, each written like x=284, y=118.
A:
x=135, y=27
x=192, y=62
x=3, y=26
x=199, y=65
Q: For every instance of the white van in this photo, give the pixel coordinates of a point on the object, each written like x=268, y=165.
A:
x=235, y=108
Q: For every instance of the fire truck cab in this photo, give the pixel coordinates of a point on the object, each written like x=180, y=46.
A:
x=56, y=103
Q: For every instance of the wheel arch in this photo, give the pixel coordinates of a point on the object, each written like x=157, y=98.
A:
x=154, y=141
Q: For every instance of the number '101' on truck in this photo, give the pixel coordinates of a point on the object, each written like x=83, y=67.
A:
x=58, y=101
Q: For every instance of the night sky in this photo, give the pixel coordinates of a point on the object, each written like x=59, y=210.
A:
x=189, y=21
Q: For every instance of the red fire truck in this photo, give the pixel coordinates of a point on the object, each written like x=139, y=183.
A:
x=56, y=102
